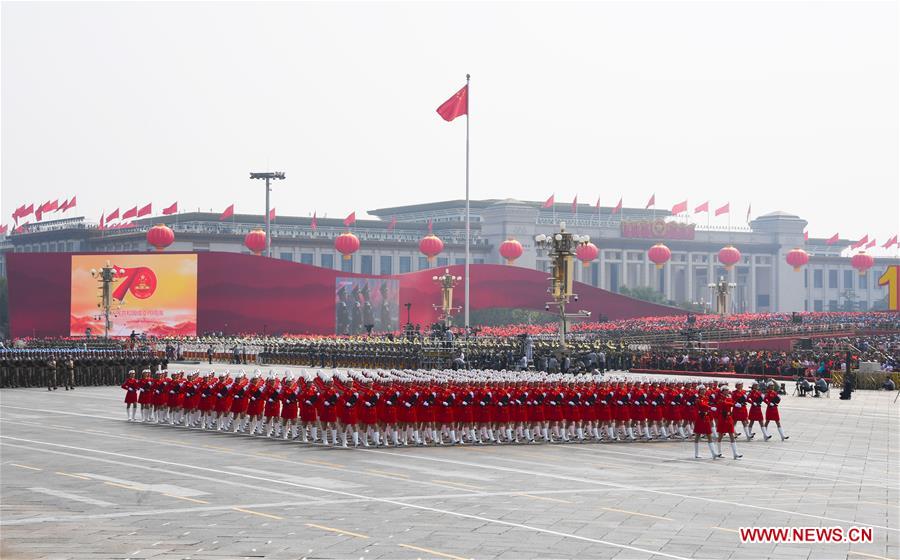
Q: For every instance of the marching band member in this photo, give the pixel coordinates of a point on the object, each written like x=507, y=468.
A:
x=772, y=400
x=131, y=387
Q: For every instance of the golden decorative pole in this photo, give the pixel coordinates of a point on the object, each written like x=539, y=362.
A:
x=561, y=247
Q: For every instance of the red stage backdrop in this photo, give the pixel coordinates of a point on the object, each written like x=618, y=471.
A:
x=249, y=294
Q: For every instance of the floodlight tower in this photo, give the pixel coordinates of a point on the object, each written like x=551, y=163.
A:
x=268, y=176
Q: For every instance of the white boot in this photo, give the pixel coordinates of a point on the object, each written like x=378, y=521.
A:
x=734, y=450
x=712, y=450
x=696, y=450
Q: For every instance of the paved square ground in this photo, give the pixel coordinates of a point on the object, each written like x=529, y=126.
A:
x=78, y=481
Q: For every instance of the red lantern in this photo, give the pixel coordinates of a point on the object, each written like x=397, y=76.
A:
x=346, y=244
x=586, y=253
x=659, y=255
x=862, y=262
x=431, y=246
x=797, y=257
x=729, y=256
x=160, y=236
x=256, y=241
x=510, y=250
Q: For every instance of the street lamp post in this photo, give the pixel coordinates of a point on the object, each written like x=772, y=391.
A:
x=721, y=290
x=447, y=281
x=106, y=276
x=268, y=176
x=561, y=247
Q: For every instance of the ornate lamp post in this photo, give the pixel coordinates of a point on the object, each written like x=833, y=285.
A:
x=561, y=247
x=447, y=281
x=106, y=276
x=722, y=292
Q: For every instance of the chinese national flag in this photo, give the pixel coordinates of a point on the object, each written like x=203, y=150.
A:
x=114, y=215
x=890, y=243
x=833, y=239
x=145, y=210
x=229, y=212
x=575, y=205
x=130, y=213
x=64, y=206
x=314, y=224
x=805, y=236
x=351, y=219
x=652, y=201
x=702, y=208
x=618, y=207
x=870, y=244
x=71, y=203
x=549, y=202
x=393, y=224
x=724, y=209
x=861, y=242
x=102, y=222
x=272, y=215
x=50, y=206
x=456, y=106
x=3, y=229
x=680, y=208
x=171, y=209
x=26, y=211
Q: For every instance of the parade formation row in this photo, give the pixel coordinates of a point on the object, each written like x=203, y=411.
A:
x=417, y=407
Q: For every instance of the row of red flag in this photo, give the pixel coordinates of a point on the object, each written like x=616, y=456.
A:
x=680, y=208
x=38, y=210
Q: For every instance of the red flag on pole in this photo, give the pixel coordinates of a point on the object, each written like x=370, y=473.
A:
x=549, y=202
x=26, y=211
x=680, y=208
x=39, y=212
x=51, y=206
x=64, y=206
x=861, y=242
x=171, y=209
x=393, y=224
x=351, y=219
x=833, y=239
x=145, y=210
x=314, y=224
x=575, y=205
x=456, y=106
x=229, y=212
x=3, y=229
x=618, y=207
x=272, y=215
x=651, y=202
x=71, y=204
x=870, y=244
x=723, y=209
x=131, y=213
x=21, y=228
x=805, y=236
x=702, y=208
x=597, y=205
x=890, y=243
x=102, y=223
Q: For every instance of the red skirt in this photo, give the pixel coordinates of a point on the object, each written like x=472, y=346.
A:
x=739, y=414
x=307, y=413
x=207, y=403
x=725, y=425
x=368, y=415
x=328, y=414
x=772, y=414
x=131, y=397
x=239, y=406
x=756, y=414
x=623, y=413
x=272, y=408
x=146, y=397
x=289, y=411
x=255, y=408
x=702, y=426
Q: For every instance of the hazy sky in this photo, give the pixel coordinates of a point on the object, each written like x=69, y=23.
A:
x=790, y=106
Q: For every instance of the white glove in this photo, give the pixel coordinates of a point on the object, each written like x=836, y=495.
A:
x=738, y=405
x=712, y=408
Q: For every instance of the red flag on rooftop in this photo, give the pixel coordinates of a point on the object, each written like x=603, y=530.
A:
x=702, y=208
x=351, y=219
x=51, y=206
x=171, y=209
x=723, y=209
x=71, y=203
x=393, y=224
x=130, y=213
x=890, y=242
x=145, y=210
x=618, y=207
x=680, y=208
x=870, y=244
x=575, y=205
x=314, y=224
x=805, y=236
x=456, y=106
x=549, y=202
x=229, y=212
x=597, y=204
x=861, y=242
x=833, y=239
x=64, y=206
x=28, y=210
x=272, y=215
x=3, y=229
x=114, y=215
x=651, y=202
x=102, y=223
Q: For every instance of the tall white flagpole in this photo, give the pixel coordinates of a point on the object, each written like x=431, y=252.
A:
x=468, y=232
